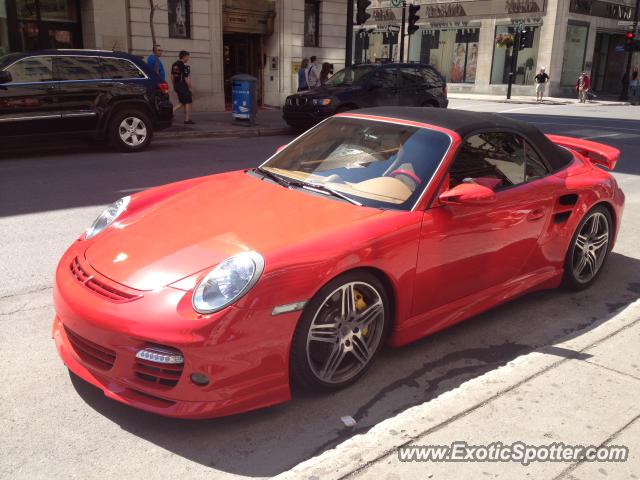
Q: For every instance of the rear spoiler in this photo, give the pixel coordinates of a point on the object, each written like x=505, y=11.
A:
x=597, y=153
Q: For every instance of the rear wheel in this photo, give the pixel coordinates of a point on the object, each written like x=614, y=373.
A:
x=130, y=130
x=589, y=249
x=340, y=332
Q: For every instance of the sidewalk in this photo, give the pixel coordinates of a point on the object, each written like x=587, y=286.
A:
x=582, y=391
x=524, y=99
x=221, y=124
x=270, y=122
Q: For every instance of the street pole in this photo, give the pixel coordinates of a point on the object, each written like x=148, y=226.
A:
x=402, y=28
x=348, y=51
x=625, y=86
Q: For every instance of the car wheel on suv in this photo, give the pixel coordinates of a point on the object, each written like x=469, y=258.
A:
x=130, y=130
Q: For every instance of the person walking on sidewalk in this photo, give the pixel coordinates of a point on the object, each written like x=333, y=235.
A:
x=325, y=73
x=634, y=84
x=155, y=63
x=303, y=84
x=582, y=87
x=313, y=74
x=541, y=80
x=181, y=79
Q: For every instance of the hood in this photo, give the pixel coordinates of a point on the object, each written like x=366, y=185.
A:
x=202, y=226
x=325, y=91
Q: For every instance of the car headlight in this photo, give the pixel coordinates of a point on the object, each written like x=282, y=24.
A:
x=321, y=101
x=227, y=282
x=106, y=218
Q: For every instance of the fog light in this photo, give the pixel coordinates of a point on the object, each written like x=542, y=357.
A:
x=200, y=379
x=160, y=355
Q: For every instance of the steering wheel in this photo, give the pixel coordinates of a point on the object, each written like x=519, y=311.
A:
x=406, y=173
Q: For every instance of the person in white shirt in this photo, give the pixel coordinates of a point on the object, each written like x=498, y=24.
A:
x=313, y=75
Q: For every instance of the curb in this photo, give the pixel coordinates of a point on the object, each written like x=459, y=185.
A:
x=227, y=133
x=355, y=454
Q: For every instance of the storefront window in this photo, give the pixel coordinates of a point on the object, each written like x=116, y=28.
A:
x=4, y=32
x=527, y=57
x=372, y=47
x=311, y=23
x=453, y=52
x=574, y=49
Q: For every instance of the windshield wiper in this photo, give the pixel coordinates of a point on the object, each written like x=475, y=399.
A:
x=322, y=188
x=306, y=185
x=276, y=178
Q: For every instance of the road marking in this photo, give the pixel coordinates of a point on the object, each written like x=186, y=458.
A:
x=601, y=136
x=583, y=125
x=520, y=108
x=468, y=106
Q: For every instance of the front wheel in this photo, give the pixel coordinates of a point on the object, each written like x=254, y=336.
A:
x=340, y=332
x=589, y=249
x=130, y=131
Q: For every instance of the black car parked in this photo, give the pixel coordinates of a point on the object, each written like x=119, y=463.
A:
x=368, y=85
x=111, y=95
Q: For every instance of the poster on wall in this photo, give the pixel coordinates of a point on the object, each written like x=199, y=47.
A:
x=179, y=18
x=457, y=65
x=472, y=63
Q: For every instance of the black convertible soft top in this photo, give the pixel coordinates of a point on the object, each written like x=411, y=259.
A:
x=466, y=123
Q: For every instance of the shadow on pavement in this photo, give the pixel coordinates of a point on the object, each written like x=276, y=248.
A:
x=270, y=441
x=79, y=176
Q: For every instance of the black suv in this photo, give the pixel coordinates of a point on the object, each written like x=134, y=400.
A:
x=368, y=85
x=110, y=95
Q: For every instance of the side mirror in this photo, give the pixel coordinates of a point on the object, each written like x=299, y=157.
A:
x=468, y=194
x=280, y=147
x=5, y=77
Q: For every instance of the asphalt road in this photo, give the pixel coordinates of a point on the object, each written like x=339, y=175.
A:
x=54, y=425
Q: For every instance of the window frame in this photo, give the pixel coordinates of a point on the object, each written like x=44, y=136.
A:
x=305, y=35
x=99, y=57
x=23, y=59
x=550, y=171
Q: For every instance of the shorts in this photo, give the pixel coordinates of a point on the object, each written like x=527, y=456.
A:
x=184, y=94
x=540, y=87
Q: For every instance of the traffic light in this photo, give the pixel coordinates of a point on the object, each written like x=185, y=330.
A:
x=361, y=13
x=629, y=38
x=525, y=39
x=413, y=18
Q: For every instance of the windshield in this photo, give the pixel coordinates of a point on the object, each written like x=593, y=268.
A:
x=378, y=164
x=349, y=75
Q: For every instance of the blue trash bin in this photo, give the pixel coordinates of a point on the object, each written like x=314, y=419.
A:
x=244, y=99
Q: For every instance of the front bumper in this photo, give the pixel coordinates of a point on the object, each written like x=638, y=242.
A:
x=305, y=116
x=164, y=114
x=247, y=366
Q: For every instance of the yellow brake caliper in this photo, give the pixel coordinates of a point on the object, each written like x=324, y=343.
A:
x=361, y=305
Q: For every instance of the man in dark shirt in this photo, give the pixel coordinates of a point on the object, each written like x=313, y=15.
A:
x=181, y=79
x=541, y=80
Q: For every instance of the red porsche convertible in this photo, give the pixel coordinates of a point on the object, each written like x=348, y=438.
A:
x=212, y=296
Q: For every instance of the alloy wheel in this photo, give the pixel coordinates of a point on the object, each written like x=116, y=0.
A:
x=345, y=332
x=590, y=248
x=132, y=131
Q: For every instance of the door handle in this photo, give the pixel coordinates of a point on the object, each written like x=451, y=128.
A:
x=536, y=214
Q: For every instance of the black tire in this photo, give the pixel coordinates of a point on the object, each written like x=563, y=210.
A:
x=302, y=371
x=571, y=280
x=429, y=104
x=137, y=142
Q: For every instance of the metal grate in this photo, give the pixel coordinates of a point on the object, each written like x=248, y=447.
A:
x=90, y=352
x=164, y=374
x=101, y=288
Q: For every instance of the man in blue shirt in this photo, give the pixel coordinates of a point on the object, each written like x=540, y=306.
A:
x=154, y=61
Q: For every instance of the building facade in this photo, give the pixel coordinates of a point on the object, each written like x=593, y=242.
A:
x=264, y=38
x=471, y=42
